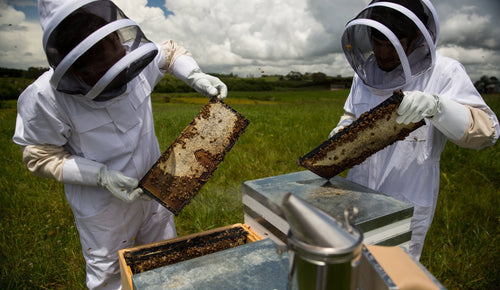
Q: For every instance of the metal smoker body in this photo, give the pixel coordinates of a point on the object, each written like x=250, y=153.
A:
x=326, y=252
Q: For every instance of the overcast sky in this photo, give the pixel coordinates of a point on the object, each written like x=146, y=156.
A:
x=247, y=37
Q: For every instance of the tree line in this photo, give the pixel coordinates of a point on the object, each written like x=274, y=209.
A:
x=14, y=81
x=30, y=73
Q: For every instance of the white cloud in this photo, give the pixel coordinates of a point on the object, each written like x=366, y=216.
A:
x=470, y=34
x=234, y=34
x=467, y=56
x=21, y=40
x=9, y=15
x=246, y=37
x=468, y=28
x=478, y=61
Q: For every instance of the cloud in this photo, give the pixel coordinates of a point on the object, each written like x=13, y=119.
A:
x=468, y=28
x=246, y=37
x=21, y=45
x=9, y=15
x=333, y=15
x=466, y=56
x=477, y=61
x=470, y=33
x=228, y=33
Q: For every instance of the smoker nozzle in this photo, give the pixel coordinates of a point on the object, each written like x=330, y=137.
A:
x=313, y=226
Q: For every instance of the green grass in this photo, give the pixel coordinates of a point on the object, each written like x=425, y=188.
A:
x=39, y=245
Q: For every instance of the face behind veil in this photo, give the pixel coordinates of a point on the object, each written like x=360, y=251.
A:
x=390, y=43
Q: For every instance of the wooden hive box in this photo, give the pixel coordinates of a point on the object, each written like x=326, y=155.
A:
x=159, y=254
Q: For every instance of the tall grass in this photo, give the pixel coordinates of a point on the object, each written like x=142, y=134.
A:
x=39, y=245
x=463, y=244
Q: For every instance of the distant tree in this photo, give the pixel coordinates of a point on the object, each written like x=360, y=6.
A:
x=319, y=77
x=294, y=76
x=487, y=85
x=35, y=72
x=31, y=73
x=11, y=72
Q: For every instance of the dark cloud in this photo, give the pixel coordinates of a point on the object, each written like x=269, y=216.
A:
x=470, y=26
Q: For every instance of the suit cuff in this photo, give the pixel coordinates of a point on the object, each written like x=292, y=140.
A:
x=81, y=171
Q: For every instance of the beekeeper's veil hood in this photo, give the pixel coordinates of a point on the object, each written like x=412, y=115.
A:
x=411, y=26
x=94, y=49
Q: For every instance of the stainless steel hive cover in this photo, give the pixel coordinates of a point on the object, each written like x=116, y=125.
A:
x=383, y=219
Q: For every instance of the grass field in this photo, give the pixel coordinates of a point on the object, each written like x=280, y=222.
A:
x=39, y=247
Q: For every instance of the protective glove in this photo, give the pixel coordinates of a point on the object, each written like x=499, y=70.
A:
x=186, y=69
x=121, y=186
x=82, y=171
x=207, y=85
x=341, y=125
x=449, y=117
x=416, y=106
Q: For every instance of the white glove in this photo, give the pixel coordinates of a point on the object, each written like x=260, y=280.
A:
x=449, y=117
x=121, y=186
x=207, y=85
x=341, y=125
x=81, y=171
x=186, y=69
x=416, y=106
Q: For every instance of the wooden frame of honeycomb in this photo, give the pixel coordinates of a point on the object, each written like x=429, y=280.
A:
x=368, y=134
x=181, y=171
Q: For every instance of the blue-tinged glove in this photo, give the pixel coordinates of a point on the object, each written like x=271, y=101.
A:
x=121, y=186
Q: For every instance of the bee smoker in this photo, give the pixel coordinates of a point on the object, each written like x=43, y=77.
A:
x=325, y=252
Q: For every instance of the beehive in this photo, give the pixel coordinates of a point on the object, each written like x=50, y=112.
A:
x=151, y=256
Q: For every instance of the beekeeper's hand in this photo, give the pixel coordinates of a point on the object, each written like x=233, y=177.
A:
x=417, y=105
x=55, y=162
x=341, y=125
x=186, y=69
x=448, y=116
x=121, y=186
x=345, y=120
x=207, y=85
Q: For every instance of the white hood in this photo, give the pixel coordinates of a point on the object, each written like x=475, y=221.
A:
x=47, y=10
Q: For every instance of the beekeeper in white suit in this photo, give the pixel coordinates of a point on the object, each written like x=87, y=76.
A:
x=88, y=123
x=391, y=45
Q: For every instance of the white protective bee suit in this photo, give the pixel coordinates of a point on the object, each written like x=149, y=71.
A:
x=436, y=88
x=99, y=138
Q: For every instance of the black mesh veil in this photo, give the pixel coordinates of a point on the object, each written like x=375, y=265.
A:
x=409, y=27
